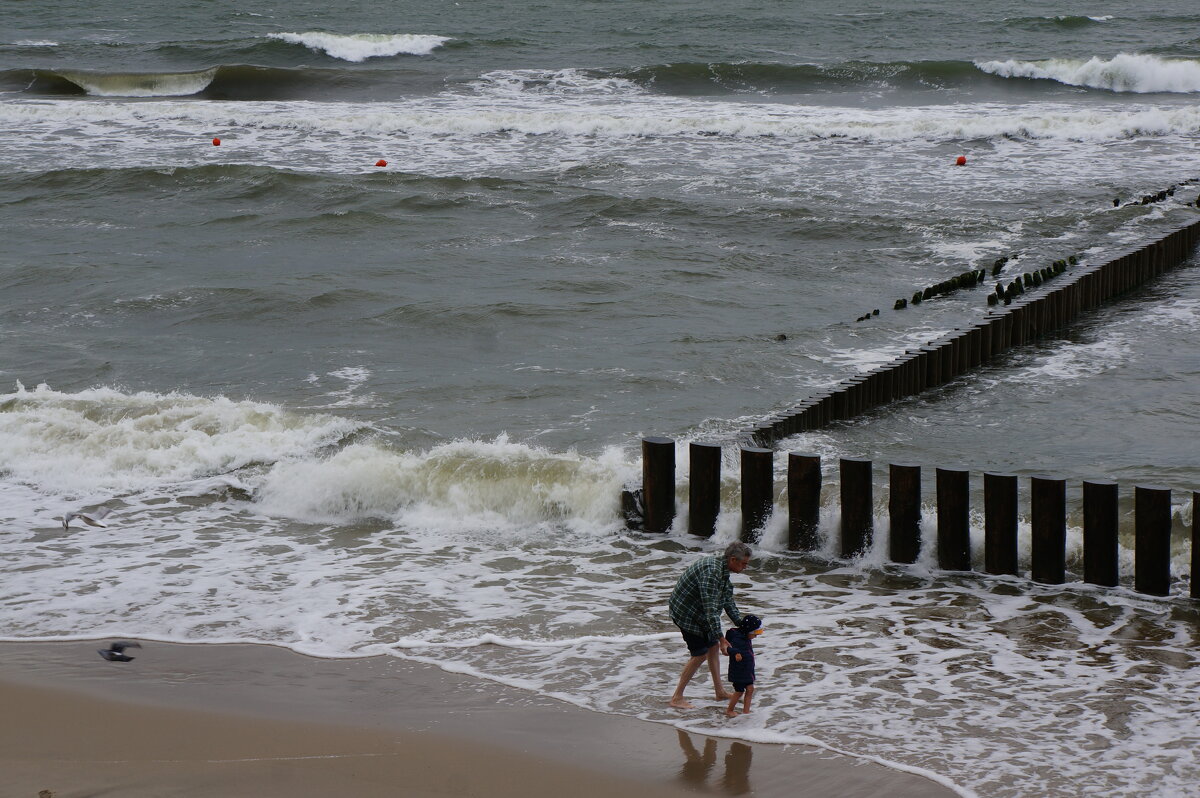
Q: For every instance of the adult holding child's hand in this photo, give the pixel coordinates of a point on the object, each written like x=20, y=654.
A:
x=703, y=591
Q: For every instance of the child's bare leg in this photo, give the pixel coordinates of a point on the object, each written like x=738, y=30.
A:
x=731, y=711
x=714, y=667
x=746, y=702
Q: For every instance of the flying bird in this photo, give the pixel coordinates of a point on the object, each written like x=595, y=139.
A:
x=94, y=518
x=115, y=652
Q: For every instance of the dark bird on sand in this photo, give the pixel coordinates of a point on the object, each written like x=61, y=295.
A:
x=94, y=518
x=115, y=652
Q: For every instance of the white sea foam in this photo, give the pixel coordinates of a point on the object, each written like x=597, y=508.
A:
x=36, y=43
x=326, y=135
x=138, y=84
x=560, y=81
x=1112, y=347
x=105, y=440
x=1125, y=72
x=352, y=378
x=361, y=46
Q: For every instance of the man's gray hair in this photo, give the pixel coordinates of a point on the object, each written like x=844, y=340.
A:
x=738, y=550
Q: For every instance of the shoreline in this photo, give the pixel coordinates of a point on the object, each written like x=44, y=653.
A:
x=213, y=718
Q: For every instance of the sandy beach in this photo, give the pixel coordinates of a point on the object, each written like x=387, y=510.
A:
x=228, y=720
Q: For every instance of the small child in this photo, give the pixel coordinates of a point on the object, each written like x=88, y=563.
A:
x=741, y=662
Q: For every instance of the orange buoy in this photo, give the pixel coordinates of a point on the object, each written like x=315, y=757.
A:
x=216, y=142
x=381, y=162
x=962, y=160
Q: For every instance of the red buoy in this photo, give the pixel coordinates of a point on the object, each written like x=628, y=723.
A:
x=962, y=160
x=216, y=142
x=381, y=162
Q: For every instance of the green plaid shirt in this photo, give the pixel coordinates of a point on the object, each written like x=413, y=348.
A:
x=703, y=590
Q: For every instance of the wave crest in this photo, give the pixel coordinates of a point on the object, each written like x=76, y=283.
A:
x=140, y=84
x=1125, y=72
x=496, y=484
x=361, y=46
x=104, y=440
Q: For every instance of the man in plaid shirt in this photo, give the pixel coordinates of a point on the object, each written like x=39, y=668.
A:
x=702, y=592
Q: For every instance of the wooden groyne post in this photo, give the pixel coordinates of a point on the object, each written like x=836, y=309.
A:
x=658, y=483
x=758, y=490
x=1100, y=543
x=1048, y=557
x=953, y=514
x=1000, y=555
x=1152, y=540
x=704, y=488
x=804, y=501
x=857, y=506
x=904, y=512
x=1196, y=544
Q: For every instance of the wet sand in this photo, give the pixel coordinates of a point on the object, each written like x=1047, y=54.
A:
x=252, y=720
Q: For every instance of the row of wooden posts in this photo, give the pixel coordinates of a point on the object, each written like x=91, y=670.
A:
x=1032, y=315
x=1047, y=514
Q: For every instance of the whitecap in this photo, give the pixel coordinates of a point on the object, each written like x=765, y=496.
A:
x=361, y=46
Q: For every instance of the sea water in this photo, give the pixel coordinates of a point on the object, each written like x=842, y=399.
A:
x=356, y=410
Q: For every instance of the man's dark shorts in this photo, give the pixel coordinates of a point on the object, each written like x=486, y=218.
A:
x=697, y=646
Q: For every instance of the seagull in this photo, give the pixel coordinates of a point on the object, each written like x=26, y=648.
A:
x=114, y=653
x=94, y=518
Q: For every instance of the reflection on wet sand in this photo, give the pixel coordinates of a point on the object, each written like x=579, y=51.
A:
x=698, y=766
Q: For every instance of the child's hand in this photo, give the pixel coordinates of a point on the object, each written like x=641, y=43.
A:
x=738, y=657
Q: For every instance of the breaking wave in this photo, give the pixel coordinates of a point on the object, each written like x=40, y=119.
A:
x=140, y=84
x=1059, y=21
x=105, y=440
x=1125, y=72
x=302, y=466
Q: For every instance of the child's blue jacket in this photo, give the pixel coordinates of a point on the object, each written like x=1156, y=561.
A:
x=740, y=643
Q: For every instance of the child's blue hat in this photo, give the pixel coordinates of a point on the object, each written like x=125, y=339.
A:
x=749, y=623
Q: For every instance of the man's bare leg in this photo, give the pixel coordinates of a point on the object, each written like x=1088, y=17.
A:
x=689, y=670
x=714, y=667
